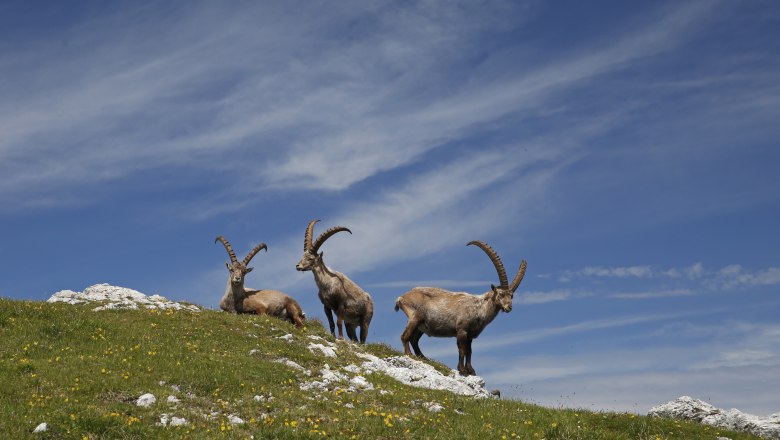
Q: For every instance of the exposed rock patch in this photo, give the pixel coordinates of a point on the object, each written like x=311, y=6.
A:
x=419, y=374
x=294, y=366
x=166, y=420
x=235, y=420
x=688, y=408
x=324, y=350
x=146, y=400
x=115, y=297
x=43, y=427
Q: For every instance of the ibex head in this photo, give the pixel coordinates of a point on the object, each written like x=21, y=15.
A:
x=310, y=256
x=504, y=293
x=239, y=269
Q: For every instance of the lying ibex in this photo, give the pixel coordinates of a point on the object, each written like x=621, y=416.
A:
x=353, y=306
x=438, y=312
x=237, y=299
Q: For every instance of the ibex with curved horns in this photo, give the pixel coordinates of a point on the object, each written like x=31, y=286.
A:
x=237, y=299
x=438, y=312
x=352, y=305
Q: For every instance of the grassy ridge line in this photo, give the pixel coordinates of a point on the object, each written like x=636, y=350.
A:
x=80, y=372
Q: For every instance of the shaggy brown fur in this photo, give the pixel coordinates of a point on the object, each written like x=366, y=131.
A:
x=238, y=299
x=441, y=313
x=353, y=306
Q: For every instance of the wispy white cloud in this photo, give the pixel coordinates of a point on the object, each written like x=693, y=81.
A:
x=352, y=110
x=695, y=279
x=543, y=297
x=694, y=271
x=618, y=272
x=654, y=294
x=735, y=276
x=330, y=119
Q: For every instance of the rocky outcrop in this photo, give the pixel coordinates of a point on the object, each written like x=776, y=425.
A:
x=688, y=408
x=419, y=374
x=401, y=368
x=113, y=297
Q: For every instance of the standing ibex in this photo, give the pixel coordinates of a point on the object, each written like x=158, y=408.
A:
x=237, y=299
x=353, y=306
x=438, y=312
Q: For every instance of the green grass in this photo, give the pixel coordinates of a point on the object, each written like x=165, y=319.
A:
x=80, y=371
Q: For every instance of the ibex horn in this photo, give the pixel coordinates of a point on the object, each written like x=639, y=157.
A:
x=252, y=253
x=495, y=259
x=518, y=277
x=307, y=237
x=326, y=235
x=230, y=252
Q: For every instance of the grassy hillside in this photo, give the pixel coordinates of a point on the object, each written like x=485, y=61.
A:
x=81, y=371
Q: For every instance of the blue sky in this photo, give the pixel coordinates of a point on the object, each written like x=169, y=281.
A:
x=628, y=152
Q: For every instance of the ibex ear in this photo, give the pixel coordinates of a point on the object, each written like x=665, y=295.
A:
x=227, y=265
x=493, y=288
x=248, y=269
x=321, y=255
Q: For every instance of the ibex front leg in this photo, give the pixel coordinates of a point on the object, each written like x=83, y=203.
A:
x=463, y=343
x=469, y=368
x=329, y=315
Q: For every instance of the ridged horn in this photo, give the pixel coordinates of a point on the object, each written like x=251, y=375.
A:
x=252, y=253
x=229, y=248
x=326, y=235
x=495, y=259
x=307, y=237
x=518, y=277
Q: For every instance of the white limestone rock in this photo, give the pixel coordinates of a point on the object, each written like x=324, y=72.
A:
x=360, y=383
x=235, y=420
x=688, y=408
x=179, y=421
x=329, y=378
x=433, y=407
x=146, y=400
x=354, y=369
x=294, y=365
x=419, y=374
x=114, y=297
x=325, y=350
x=43, y=427
x=166, y=420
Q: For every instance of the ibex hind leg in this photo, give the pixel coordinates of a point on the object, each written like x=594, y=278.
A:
x=351, y=331
x=415, y=340
x=363, y=332
x=406, y=336
x=295, y=315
